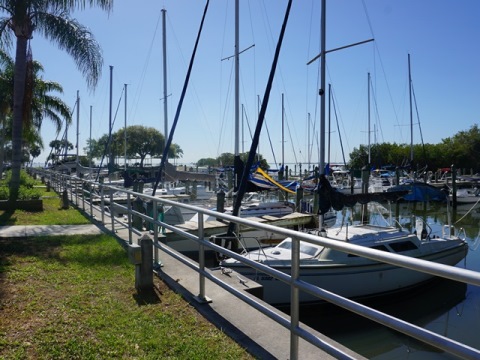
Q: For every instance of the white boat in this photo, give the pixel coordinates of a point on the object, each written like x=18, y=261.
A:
x=467, y=196
x=349, y=275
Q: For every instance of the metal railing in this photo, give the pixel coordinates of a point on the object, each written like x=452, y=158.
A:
x=86, y=191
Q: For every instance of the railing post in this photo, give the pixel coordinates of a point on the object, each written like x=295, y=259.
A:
x=102, y=204
x=129, y=218
x=68, y=182
x=142, y=257
x=83, y=195
x=201, y=298
x=112, y=216
x=294, y=300
x=90, y=192
x=76, y=192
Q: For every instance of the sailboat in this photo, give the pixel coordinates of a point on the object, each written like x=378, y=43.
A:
x=339, y=272
x=417, y=190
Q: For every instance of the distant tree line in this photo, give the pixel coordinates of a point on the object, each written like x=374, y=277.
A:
x=461, y=150
x=141, y=142
x=227, y=159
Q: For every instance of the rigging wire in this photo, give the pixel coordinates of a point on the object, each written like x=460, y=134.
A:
x=138, y=92
x=109, y=140
x=338, y=128
x=419, y=126
x=381, y=63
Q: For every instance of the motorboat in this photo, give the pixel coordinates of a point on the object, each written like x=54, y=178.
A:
x=467, y=196
x=349, y=275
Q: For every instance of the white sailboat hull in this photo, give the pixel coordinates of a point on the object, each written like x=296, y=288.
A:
x=348, y=280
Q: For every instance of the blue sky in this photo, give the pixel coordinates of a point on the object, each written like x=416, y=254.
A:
x=442, y=37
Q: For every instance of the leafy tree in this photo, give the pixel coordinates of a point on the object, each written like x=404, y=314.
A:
x=58, y=147
x=464, y=148
x=227, y=159
x=207, y=162
x=175, y=152
x=143, y=141
x=50, y=18
x=35, y=152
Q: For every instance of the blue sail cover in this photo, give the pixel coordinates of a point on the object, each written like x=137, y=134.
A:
x=419, y=191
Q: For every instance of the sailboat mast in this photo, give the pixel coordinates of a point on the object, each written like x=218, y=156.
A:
x=237, y=93
x=165, y=112
x=109, y=152
x=309, y=155
x=125, y=131
x=329, y=120
x=411, y=111
x=283, y=132
x=90, y=144
x=369, y=132
x=78, y=123
x=322, y=88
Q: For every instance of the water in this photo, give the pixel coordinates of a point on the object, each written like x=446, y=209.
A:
x=443, y=306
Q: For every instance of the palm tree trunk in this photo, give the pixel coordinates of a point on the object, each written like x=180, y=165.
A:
x=18, y=95
x=2, y=143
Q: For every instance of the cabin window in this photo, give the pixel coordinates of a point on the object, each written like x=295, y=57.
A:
x=305, y=248
x=403, y=246
x=376, y=247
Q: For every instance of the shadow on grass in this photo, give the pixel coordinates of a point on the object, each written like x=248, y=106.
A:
x=6, y=217
x=84, y=250
x=148, y=297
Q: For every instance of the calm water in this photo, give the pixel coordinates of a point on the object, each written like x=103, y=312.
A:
x=443, y=306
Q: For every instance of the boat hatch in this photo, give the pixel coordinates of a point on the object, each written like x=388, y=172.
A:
x=305, y=248
x=403, y=246
x=377, y=247
x=399, y=246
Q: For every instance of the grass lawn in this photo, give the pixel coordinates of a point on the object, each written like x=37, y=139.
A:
x=75, y=298
x=52, y=213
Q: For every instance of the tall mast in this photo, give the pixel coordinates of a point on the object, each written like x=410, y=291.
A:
x=283, y=132
x=110, y=157
x=309, y=155
x=411, y=111
x=165, y=112
x=90, y=144
x=237, y=94
x=78, y=122
x=322, y=87
x=125, y=131
x=329, y=121
x=369, y=146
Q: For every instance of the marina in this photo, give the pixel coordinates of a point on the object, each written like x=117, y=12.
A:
x=437, y=305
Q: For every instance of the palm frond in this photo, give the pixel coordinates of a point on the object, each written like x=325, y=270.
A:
x=75, y=39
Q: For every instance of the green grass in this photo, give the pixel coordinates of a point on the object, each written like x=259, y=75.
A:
x=52, y=213
x=74, y=298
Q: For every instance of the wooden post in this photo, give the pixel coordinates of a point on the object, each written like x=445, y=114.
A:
x=144, y=270
x=65, y=199
x=220, y=202
x=454, y=186
x=298, y=199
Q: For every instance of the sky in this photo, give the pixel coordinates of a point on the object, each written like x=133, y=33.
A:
x=442, y=38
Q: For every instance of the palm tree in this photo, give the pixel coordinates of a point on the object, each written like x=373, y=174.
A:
x=42, y=105
x=50, y=18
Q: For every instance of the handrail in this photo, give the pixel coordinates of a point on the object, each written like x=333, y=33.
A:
x=449, y=272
